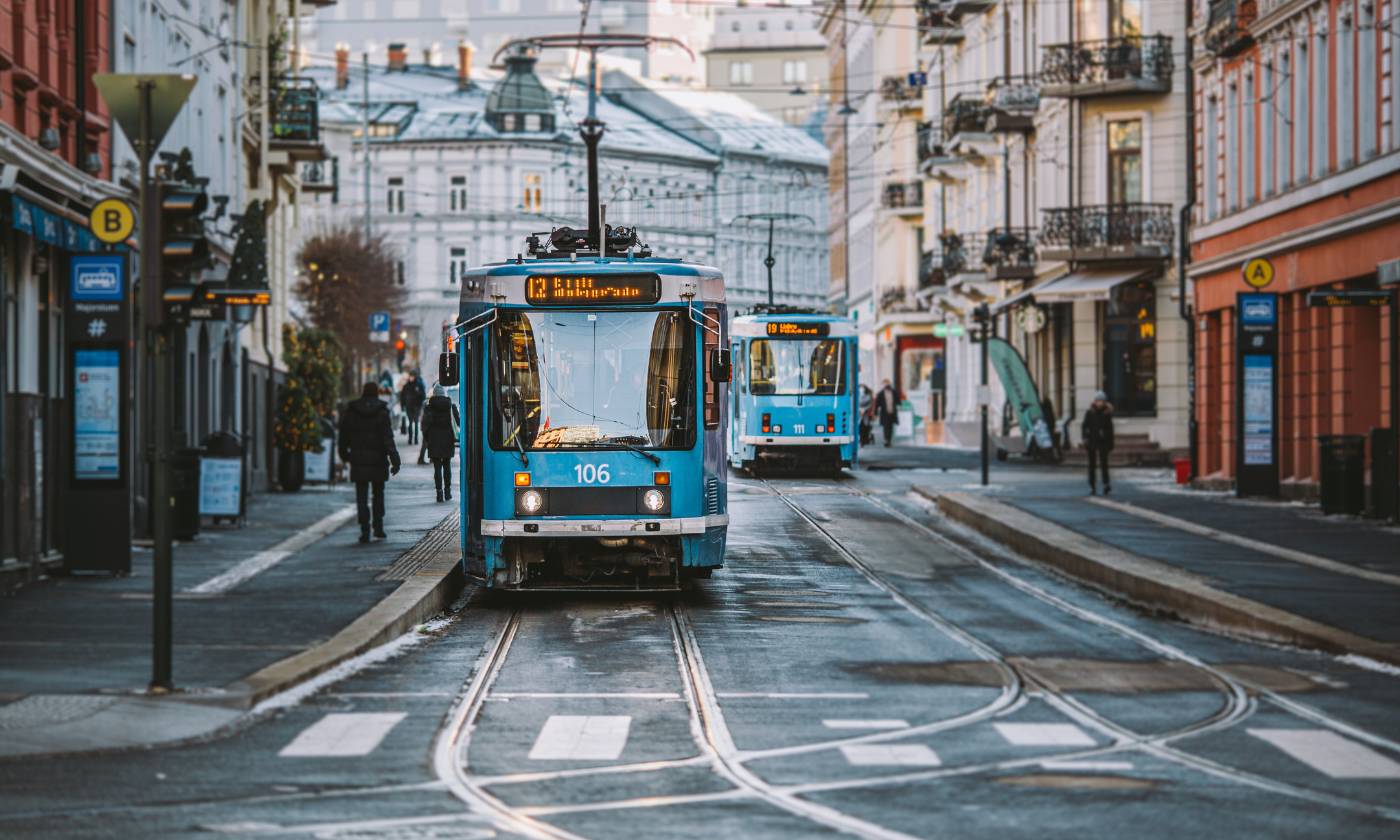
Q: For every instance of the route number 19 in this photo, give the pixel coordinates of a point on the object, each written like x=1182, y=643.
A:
x=590, y=474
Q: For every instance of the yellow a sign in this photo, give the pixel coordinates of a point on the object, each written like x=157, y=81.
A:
x=112, y=220
x=1258, y=272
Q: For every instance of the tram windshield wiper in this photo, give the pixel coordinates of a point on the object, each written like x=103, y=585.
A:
x=631, y=447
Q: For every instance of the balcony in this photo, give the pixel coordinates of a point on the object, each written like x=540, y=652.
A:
x=1014, y=104
x=898, y=299
x=318, y=177
x=1107, y=68
x=938, y=24
x=1227, y=30
x=296, y=127
x=904, y=197
x=1107, y=232
x=896, y=91
x=1009, y=253
x=962, y=8
x=936, y=159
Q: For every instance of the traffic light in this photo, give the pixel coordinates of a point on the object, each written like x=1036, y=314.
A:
x=183, y=249
x=401, y=347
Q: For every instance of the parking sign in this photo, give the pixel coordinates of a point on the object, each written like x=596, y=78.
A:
x=379, y=326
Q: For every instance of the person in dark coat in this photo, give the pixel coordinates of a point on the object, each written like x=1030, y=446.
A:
x=411, y=398
x=367, y=445
x=887, y=409
x=440, y=423
x=1098, y=439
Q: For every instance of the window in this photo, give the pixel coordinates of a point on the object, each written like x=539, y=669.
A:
x=395, y=195
x=1211, y=132
x=1130, y=349
x=797, y=367
x=1302, y=117
x=1283, y=120
x=734, y=26
x=1232, y=148
x=763, y=26
x=1346, y=91
x=1319, y=114
x=794, y=72
x=712, y=386
x=399, y=272
x=1125, y=18
x=741, y=73
x=1125, y=162
x=533, y=201
x=1252, y=115
x=456, y=265
x=457, y=194
x=787, y=25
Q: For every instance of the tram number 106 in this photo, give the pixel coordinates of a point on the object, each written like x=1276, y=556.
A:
x=591, y=474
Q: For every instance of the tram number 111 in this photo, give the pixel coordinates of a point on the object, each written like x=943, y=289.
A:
x=591, y=474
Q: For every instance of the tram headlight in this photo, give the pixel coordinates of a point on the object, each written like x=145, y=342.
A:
x=529, y=502
x=654, y=500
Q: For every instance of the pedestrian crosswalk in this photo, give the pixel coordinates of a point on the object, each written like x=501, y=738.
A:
x=586, y=737
x=1044, y=735
x=890, y=755
x=1330, y=753
x=342, y=734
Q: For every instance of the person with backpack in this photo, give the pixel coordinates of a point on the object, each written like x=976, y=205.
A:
x=440, y=424
x=1098, y=439
x=367, y=445
x=411, y=397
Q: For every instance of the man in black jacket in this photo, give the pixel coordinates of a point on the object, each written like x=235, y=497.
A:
x=411, y=398
x=367, y=445
x=1098, y=439
x=440, y=422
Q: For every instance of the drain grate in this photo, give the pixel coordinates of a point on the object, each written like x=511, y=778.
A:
x=48, y=709
x=413, y=561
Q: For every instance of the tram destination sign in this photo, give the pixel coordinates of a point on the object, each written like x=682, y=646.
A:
x=1351, y=298
x=798, y=329
x=643, y=287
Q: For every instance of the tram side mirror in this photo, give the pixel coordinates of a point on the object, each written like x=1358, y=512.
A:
x=721, y=368
x=447, y=369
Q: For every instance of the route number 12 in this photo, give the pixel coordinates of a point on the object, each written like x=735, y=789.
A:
x=590, y=474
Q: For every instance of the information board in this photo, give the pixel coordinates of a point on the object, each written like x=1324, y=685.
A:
x=798, y=329
x=317, y=465
x=1258, y=410
x=97, y=423
x=1256, y=394
x=220, y=486
x=569, y=289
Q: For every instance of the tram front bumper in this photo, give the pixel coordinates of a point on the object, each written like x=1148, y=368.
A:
x=795, y=440
x=601, y=527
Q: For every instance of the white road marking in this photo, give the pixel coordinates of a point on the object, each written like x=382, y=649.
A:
x=386, y=695
x=866, y=724
x=1087, y=765
x=792, y=695
x=328, y=829
x=886, y=755
x=342, y=734
x=1044, y=735
x=264, y=560
x=596, y=737
x=1331, y=754
x=585, y=695
x=1253, y=545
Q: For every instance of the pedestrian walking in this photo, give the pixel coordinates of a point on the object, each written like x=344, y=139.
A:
x=1098, y=439
x=887, y=409
x=440, y=423
x=411, y=397
x=367, y=445
x=867, y=410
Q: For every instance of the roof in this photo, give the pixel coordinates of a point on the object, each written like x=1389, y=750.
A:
x=520, y=92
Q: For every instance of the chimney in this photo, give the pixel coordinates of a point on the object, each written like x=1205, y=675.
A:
x=464, y=65
x=398, y=57
x=342, y=66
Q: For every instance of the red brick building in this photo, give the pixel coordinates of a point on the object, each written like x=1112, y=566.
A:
x=1297, y=145
x=55, y=151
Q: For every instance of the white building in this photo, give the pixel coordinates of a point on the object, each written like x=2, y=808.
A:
x=464, y=165
x=774, y=56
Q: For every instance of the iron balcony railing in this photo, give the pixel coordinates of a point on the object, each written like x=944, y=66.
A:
x=931, y=145
x=931, y=269
x=897, y=89
x=1010, y=251
x=961, y=252
x=295, y=116
x=965, y=114
x=1227, y=28
x=1145, y=60
x=938, y=23
x=903, y=194
x=1115, y=230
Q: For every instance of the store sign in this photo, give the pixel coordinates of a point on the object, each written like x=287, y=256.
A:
x=97, y=423
x=46, y=227
x=949, y=329
x=1332, y=300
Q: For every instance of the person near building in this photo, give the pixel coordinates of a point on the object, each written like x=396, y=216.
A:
x=867, y=410
x=367, y=445
x=440, y=423
x=1098, y=439
x=887, y=409
x=411, y=397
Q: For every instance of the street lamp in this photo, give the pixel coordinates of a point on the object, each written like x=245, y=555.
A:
x=771, y=218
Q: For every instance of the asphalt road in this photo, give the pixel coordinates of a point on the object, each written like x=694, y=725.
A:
x=858, y=668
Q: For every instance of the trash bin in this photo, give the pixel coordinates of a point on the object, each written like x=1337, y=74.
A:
x=1183, y=470
x=1343, y=462
x=1383, y=484
x=184, y=489
x=223, y=445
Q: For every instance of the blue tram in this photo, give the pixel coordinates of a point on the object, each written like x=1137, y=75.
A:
x=796, y=399
x=594, y=404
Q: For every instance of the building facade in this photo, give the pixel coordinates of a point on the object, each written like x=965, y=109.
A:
x=1297, y=151
x=462, y=168
x=773, y=56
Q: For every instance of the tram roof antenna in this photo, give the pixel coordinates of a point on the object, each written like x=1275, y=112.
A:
x=591, y=129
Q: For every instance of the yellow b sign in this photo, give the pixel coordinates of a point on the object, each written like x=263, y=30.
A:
x=1258, y=272
x=112, y=220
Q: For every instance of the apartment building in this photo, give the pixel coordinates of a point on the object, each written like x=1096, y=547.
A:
x=1297, y=151
x=773, y=56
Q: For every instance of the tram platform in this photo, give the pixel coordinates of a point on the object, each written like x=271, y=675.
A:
x=1276, y=571
x=258, y=611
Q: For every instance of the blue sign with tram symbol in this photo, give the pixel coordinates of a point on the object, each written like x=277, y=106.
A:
x=918, y=79
x=97, y=278
x=379, y=326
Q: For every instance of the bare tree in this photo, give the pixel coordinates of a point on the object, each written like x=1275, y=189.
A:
x=344, y=278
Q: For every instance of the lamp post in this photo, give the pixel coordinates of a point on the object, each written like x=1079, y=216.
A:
x=983, y=316
x=771, y=218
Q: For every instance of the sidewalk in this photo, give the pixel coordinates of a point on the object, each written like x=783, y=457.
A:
x=256, y=610
x=1273, y=570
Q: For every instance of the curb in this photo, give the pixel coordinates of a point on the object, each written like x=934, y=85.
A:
x=1148, y=583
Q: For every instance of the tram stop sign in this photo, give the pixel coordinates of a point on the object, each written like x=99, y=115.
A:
x=1258, y=272
x=112, y=220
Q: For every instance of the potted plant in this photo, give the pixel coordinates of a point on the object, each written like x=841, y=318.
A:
x=309, y=394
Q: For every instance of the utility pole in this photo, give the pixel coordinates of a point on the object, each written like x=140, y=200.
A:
x=983, y=316
x=772, y=218
x=364, y=135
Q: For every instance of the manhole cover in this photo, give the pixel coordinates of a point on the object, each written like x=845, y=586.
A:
x=48, y=709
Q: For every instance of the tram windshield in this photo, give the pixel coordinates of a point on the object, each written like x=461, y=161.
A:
x=593, y=380
x=793, y=367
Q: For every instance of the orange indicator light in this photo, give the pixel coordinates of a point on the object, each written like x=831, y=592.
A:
x=522, y=479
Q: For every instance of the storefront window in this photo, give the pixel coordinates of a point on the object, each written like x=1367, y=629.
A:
x=1130, y=349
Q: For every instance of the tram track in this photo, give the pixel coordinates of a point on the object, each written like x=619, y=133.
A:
x=1238, y=706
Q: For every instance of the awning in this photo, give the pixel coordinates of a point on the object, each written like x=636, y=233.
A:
x=1007, y=303
x=1089, y=284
